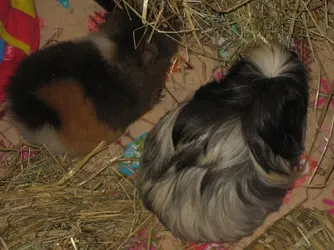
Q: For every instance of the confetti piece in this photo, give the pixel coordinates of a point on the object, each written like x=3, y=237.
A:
x=141, y=240
x=325, y=90
x=329, y=203
x=223, y=53
x=95, y=20
x=64, y=3
x=176, y=66
x=206, y=246
x=26, y=153
x=219, y=75
x=234, y=28
x=302, y=49
x=41, y=22
x=132, y=150
x=300, y=181
x=2, y=49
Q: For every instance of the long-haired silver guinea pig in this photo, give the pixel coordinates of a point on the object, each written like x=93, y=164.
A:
x=72, y=95
x=216, y=166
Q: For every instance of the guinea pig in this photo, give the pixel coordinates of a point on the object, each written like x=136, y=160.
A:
x=72, y=95
x=216, y=166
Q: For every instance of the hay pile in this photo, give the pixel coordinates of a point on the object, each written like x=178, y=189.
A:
x=228, y=27
x=301, y=229
x=48, y=202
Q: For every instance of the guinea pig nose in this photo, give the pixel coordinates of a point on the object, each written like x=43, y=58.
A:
x=106, y=4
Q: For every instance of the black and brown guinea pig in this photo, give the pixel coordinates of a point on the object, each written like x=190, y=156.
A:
x=72, y=95
x=216, y=166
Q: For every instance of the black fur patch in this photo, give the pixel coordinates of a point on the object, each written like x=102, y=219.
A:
x=100, y=80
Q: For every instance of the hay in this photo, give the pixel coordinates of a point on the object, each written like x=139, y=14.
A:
x=50, y=203
x=228, y=27
x=301, y=229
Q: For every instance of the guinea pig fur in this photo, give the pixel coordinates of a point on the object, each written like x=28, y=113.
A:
x=216, y=166
x=72, y=95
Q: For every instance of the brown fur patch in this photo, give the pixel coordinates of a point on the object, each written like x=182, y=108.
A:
x=81, y=131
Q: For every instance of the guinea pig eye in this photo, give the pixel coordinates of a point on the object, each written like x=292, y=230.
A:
x=107, y=15
x=149, y=54
x=108, y=5
x=147, y=57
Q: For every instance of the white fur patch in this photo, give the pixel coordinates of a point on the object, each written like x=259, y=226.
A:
x=46, y=136
x=272, y=61
x=106, y=46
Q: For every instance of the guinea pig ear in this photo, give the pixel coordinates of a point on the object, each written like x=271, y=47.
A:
x=149, y=53
x=108, y=5
x=108, y=15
